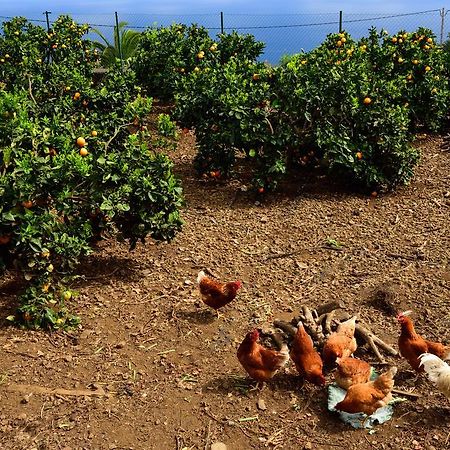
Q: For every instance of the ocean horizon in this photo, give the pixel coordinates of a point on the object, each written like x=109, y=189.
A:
x=282, y=34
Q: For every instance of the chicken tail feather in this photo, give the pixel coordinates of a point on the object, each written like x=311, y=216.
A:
x=284, y=349
x=434, y=366
x=201, y=275
x=278, y=339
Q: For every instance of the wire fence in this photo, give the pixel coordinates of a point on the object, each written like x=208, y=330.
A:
x=283, y=34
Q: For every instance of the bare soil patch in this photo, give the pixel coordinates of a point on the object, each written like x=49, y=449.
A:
x=152, y=368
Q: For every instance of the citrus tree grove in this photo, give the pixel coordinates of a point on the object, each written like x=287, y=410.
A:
x=77, y=159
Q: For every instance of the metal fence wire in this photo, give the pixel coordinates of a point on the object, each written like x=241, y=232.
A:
x=283, y=34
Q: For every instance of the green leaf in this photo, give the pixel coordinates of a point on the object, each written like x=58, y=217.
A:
x=252, y=152
x=8, y=216
x=106, y=206
x=11, y=318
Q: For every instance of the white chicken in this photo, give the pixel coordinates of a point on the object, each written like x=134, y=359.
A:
x=438, y=372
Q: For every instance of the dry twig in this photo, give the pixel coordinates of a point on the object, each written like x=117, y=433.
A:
x=30, y=89
x=406, y=393
x=29, y=388
x=320, y=327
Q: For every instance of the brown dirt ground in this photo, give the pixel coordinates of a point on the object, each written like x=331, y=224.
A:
x=168, y=366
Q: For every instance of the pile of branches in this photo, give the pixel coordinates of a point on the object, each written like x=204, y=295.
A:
x=322, y=321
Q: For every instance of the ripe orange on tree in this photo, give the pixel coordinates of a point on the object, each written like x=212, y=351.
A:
x=83, y=151
x=367, y=101
x=81, y=142
x=4, y=239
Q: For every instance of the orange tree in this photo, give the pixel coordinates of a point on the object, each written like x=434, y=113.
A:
x=354, y=115
x=419, y=65
x=75, y=161
x=167, y=55
x=233, y=109
x=349, y=105
x=230, y=101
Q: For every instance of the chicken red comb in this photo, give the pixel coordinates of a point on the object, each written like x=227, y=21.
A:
x=403, y=314
x=254, y=334
x=238, y=284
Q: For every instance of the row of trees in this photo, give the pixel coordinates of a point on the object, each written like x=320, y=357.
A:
x=78, y=158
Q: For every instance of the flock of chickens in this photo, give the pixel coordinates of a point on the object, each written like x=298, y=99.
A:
x=352, y=374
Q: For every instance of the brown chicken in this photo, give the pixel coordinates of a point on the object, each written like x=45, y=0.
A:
x=260, y=363
x=368, y=397
x=216, y=294
x=306, y=358
x=341, y=343
x=412, y=345
x=351, y=371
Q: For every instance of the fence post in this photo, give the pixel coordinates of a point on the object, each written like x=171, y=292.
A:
x=119, y=44
x=442, y=13
x=50, y=53
x=48, y=21
x=221, y=22
x=340, y=21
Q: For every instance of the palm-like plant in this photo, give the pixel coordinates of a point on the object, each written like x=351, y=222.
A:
x=124, y=46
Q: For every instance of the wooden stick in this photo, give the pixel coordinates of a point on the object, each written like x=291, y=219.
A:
x=283, y=255
x=367, y=336
x=363, y=332
x=374, y=348
x=34, y=389
x=328, y=318
x=387, y=348
x=208, y=435
x=309, y=319
x=406, y=393
x=313, y=327
x=328, y=307
x=285, y=326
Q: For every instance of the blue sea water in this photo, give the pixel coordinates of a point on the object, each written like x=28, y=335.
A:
x=283, y=34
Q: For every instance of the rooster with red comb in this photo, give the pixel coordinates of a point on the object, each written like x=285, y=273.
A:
x=412, y=345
